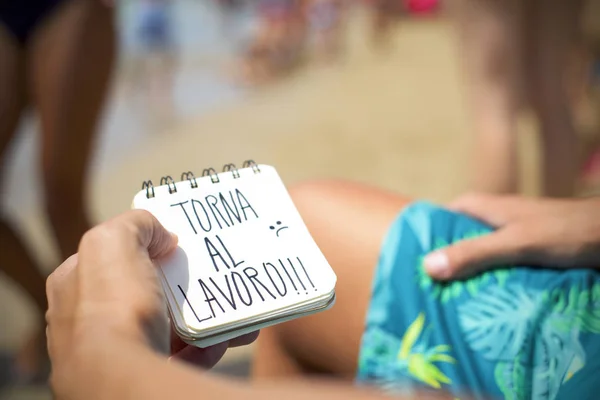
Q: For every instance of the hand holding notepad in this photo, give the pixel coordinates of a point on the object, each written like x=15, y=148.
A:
x=245, y=259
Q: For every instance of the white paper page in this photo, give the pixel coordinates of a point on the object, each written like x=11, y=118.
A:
x=243, y=248
x=210, y=338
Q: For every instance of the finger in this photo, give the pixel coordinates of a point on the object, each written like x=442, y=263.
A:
x=57, y=279
x=244, y=340
x=150, y=233
x=203, y=357
x=177, y=345
x=61, y=295
x=115, y=257
x=124, y=235
x=468, y=257
x=493, y=209
x=65, y=268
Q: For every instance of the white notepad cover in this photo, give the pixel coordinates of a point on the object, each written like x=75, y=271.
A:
x=244, y=252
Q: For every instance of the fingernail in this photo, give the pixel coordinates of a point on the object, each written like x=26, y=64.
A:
x=437, y=264
x=174, y=237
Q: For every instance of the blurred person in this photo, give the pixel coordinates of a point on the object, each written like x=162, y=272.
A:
x=419, y=7
x=230, y=4
x=326, y=23
x=55, y=56
x=517, y=333
x=227, y=10
x=384, y=13
x=254, y=66
x=156, y=36
x=279, y=43
x=519, y=52
x=591, y=169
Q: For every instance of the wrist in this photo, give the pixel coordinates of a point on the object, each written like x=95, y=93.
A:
x=97, y=331
x=147, y=326
x=99, y=365
x=95, y=334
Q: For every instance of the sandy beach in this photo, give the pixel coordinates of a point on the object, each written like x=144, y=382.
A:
x=395, y=119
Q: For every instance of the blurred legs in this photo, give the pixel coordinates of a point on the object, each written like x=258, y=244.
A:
x=15, y=260
x=71, y=57
x=508, y=46
x=489, y=35
x=552, y=39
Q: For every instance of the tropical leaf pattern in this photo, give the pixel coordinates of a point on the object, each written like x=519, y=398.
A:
x=497, y=322
x=532, y=334
x=391, y=361
x=516, y=334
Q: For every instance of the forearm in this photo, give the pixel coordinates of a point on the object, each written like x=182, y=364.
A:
x=119, y=370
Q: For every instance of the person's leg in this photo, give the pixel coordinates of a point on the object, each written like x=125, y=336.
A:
x=340, y=216
x=489, y=35
x=71, y=57
x=552, y=39
x=15, y=260
x=381, y=22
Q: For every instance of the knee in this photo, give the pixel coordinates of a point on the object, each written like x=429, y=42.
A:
x=316, y=199
x=324, y=190
x=339, y=199
x=307, y=194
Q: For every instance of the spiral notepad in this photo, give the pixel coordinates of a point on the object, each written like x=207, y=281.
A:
x=245, y=259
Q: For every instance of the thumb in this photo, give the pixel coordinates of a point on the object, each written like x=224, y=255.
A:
x=474, y=255
x=149, y=233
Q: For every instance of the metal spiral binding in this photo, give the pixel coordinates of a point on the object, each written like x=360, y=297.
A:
x=251, y=163
x=214, y=177
x=168, y=180
x=233, y=169
x=189, y=176
x=149, y=189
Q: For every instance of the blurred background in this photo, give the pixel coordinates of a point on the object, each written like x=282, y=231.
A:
x=427, y=98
